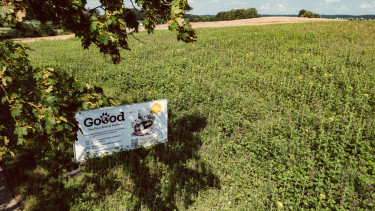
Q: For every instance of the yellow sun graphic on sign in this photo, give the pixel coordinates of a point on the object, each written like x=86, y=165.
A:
x=156, y=108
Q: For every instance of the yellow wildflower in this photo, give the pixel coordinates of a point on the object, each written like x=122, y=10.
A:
x=311, y=84
x=300, y=77
x=331, y=119
x=249, y=54
x=322, y=196
x=366, y=95
x=280, y=204
x=325, y=75
x=350, y=87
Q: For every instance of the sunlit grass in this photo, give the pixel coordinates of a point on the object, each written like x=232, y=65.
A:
x=259, y=115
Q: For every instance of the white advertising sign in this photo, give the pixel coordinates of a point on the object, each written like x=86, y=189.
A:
x=125, y=127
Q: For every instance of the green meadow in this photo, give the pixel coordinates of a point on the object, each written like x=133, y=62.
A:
x=266, y=117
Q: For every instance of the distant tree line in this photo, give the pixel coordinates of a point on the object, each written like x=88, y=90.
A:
x=225, y=16
x=29, y=30
x=349, y=16
x=308, y=14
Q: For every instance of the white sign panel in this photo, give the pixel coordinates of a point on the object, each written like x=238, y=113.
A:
x=126, y=127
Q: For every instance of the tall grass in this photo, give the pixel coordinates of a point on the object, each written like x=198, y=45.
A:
x=261, y=117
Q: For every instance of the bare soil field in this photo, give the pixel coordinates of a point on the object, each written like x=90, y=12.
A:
x=243, y=22
x=254, y=21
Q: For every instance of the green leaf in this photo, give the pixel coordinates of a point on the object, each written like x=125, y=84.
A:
x=93, y=18
x=51, y=99
x=99, y=37
x=37, y=76
x=109, y=21
x=78, y=86
x=140, y=2
x=14, y=56
x=146, y=22
x=20, y=141
x=4, y=11
x=3, y=99
x=50, y=88
x=84, y=106
x=176, y=9
x=114, y=19
x=180, y=21
x=4, y=81
x=105, y=39
x=20, y=131
x=92, y=27
x=51, y=120
x=60, y=127
x=173, y=26
x=16, y=112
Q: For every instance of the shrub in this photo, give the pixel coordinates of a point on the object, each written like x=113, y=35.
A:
x=46, y=30
x=28, y=30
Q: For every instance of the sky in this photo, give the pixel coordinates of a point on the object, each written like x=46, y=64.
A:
x=277, y=7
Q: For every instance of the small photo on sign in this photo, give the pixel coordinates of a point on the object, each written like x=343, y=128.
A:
x=144, y=125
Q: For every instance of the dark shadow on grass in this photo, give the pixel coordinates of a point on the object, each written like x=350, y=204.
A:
x=158, y=175
x=156, y=189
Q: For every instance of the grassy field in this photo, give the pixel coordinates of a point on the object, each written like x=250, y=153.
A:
x=260, y=118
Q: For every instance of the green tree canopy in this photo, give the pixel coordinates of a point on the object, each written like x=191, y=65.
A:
x=308, y=14
x=110, y=30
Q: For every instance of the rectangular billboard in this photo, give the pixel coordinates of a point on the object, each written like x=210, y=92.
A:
x=125, y=127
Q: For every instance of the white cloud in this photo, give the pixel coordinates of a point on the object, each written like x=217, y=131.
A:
x=333, y=1
x=240, y=3
x=266, y=6
x=365, y=5
x=280, y=7
x=343, y=7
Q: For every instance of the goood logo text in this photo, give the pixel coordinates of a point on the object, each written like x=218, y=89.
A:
x=104, y=119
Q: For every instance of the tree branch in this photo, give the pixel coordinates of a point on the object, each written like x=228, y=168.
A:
x=134, y=6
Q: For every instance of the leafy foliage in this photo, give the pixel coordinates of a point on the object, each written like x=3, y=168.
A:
x=307, y=14
x=38, y=105
x=234, y=14
x=108, y=31
x=237, y=14
x=28, y=30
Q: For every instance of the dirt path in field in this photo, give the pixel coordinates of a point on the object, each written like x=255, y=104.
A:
x=243, y=22
x=34, y=39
